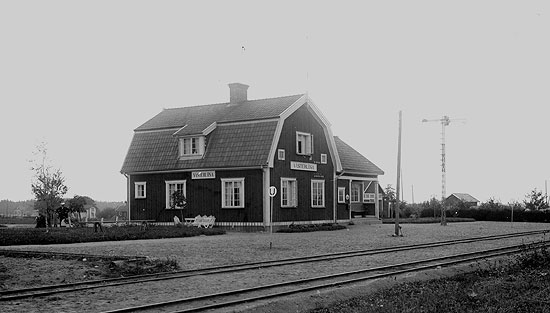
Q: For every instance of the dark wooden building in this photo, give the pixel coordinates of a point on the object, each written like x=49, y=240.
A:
x=457, y=198
x=224, y=158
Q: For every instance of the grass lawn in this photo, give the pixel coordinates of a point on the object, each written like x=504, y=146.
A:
x=523, y=285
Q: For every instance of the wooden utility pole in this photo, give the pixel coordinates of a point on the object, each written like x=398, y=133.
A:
x=398, y=185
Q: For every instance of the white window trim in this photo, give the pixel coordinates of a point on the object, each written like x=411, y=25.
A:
x=239, y=179
x=313, y=181
x=342, y=192
x=167, y=189
x=291, y=205
x=281, y=154
x=369, y=197
x=307, y=135
x=323, y=158
x=136, y=193
x=200, y=147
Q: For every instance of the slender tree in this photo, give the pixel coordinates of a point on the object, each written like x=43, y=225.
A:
x=48, y=185
x=179, y=202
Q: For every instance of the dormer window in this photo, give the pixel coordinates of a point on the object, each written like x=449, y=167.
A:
x=191, y=146
x=304, y=143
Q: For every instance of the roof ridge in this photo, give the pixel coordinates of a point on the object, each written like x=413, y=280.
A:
x=226, y=103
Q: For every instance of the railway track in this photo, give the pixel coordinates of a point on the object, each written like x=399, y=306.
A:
x=255, y=294
x=15, y=294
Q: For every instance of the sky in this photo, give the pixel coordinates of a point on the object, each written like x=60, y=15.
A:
x=81, y=75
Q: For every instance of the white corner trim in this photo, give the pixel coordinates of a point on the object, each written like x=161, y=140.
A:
x=328, y=133
x=284, y=115
x=209, y=129
x=176, y=133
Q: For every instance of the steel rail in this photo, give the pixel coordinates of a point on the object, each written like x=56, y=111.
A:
x=15, y=294
x=454, y=259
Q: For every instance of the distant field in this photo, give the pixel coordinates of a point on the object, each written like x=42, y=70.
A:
x=17, y=220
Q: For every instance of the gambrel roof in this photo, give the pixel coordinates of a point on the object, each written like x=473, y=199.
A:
x=353, y=161
x=197, y=118
x=240, y=134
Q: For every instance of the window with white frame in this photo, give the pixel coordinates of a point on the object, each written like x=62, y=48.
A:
x=232, y=193
x=304, y=143
x=140, y=190
x=281, y=154
x=341, y=194
x=317, y=193
x=191, y=146
x=289, y=193
x=355, y=192
x=173, y=186
x=368, y=197
x=323, y=158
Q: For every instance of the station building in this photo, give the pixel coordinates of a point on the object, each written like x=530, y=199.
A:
x=225, y=157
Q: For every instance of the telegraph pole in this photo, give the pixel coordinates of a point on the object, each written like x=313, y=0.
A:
x=398, y=185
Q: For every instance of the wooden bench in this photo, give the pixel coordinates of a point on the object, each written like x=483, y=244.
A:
x=201, y=221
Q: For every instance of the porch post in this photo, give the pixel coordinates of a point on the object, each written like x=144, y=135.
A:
x=349, y=200
x=266, y=202
x=376, y=204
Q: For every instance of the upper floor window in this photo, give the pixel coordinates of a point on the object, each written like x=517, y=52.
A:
x=281, y=154
x=323, y=158
x=140, y=190
x=191, y=146
x=304, y=143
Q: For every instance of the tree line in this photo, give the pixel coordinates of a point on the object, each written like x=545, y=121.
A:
x=534, y=208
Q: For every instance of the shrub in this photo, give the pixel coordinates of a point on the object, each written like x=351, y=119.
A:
x=58, y=235
x=292, y=228
x=504, y=214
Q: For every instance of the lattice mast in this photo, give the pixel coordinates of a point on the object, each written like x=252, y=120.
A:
x=445, y=121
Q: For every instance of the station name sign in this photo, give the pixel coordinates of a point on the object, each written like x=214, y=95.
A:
x=300, y=166
x=203, y=175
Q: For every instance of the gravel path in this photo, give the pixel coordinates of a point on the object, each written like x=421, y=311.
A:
x=231, y=248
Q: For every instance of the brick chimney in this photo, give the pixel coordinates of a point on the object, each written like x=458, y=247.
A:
x=237, y=92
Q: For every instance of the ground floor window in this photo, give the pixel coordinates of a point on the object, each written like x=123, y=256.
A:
x=368, y=197
x=140, y=190
x=317, y=193
x=173, y=186
x=341, y=194
x=289, y=193
x=355, y=192
x=232, y=193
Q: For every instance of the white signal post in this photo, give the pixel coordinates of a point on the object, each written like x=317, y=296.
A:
x=272, y=193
